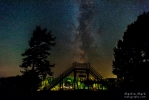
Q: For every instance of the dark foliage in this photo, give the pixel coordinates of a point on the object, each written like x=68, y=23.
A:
x=14, y=84
x=131, y=56
x=35, y=63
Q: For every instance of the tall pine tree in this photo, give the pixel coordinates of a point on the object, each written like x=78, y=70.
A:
x=35, y=63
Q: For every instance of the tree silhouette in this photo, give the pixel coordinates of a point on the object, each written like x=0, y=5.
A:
x=131, y=56
x=35, y=64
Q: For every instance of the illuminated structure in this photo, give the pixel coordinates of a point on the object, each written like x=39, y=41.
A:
x=83, y=77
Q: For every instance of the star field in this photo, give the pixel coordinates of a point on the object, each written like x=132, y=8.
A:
x=109, y=20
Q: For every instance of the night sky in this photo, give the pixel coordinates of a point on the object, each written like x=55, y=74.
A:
x=85, y=31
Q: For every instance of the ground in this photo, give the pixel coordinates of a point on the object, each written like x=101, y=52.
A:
x=64, y=95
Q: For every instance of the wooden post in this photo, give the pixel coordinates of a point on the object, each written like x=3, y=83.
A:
x=88, y=78
x=74, y=79
x=60, y=85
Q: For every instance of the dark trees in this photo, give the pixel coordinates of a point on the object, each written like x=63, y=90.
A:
x=35, y=63
x=131, y=56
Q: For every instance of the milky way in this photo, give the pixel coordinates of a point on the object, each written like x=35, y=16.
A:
x=84, y=37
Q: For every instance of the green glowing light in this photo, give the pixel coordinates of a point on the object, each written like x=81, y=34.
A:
x=68, y=84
